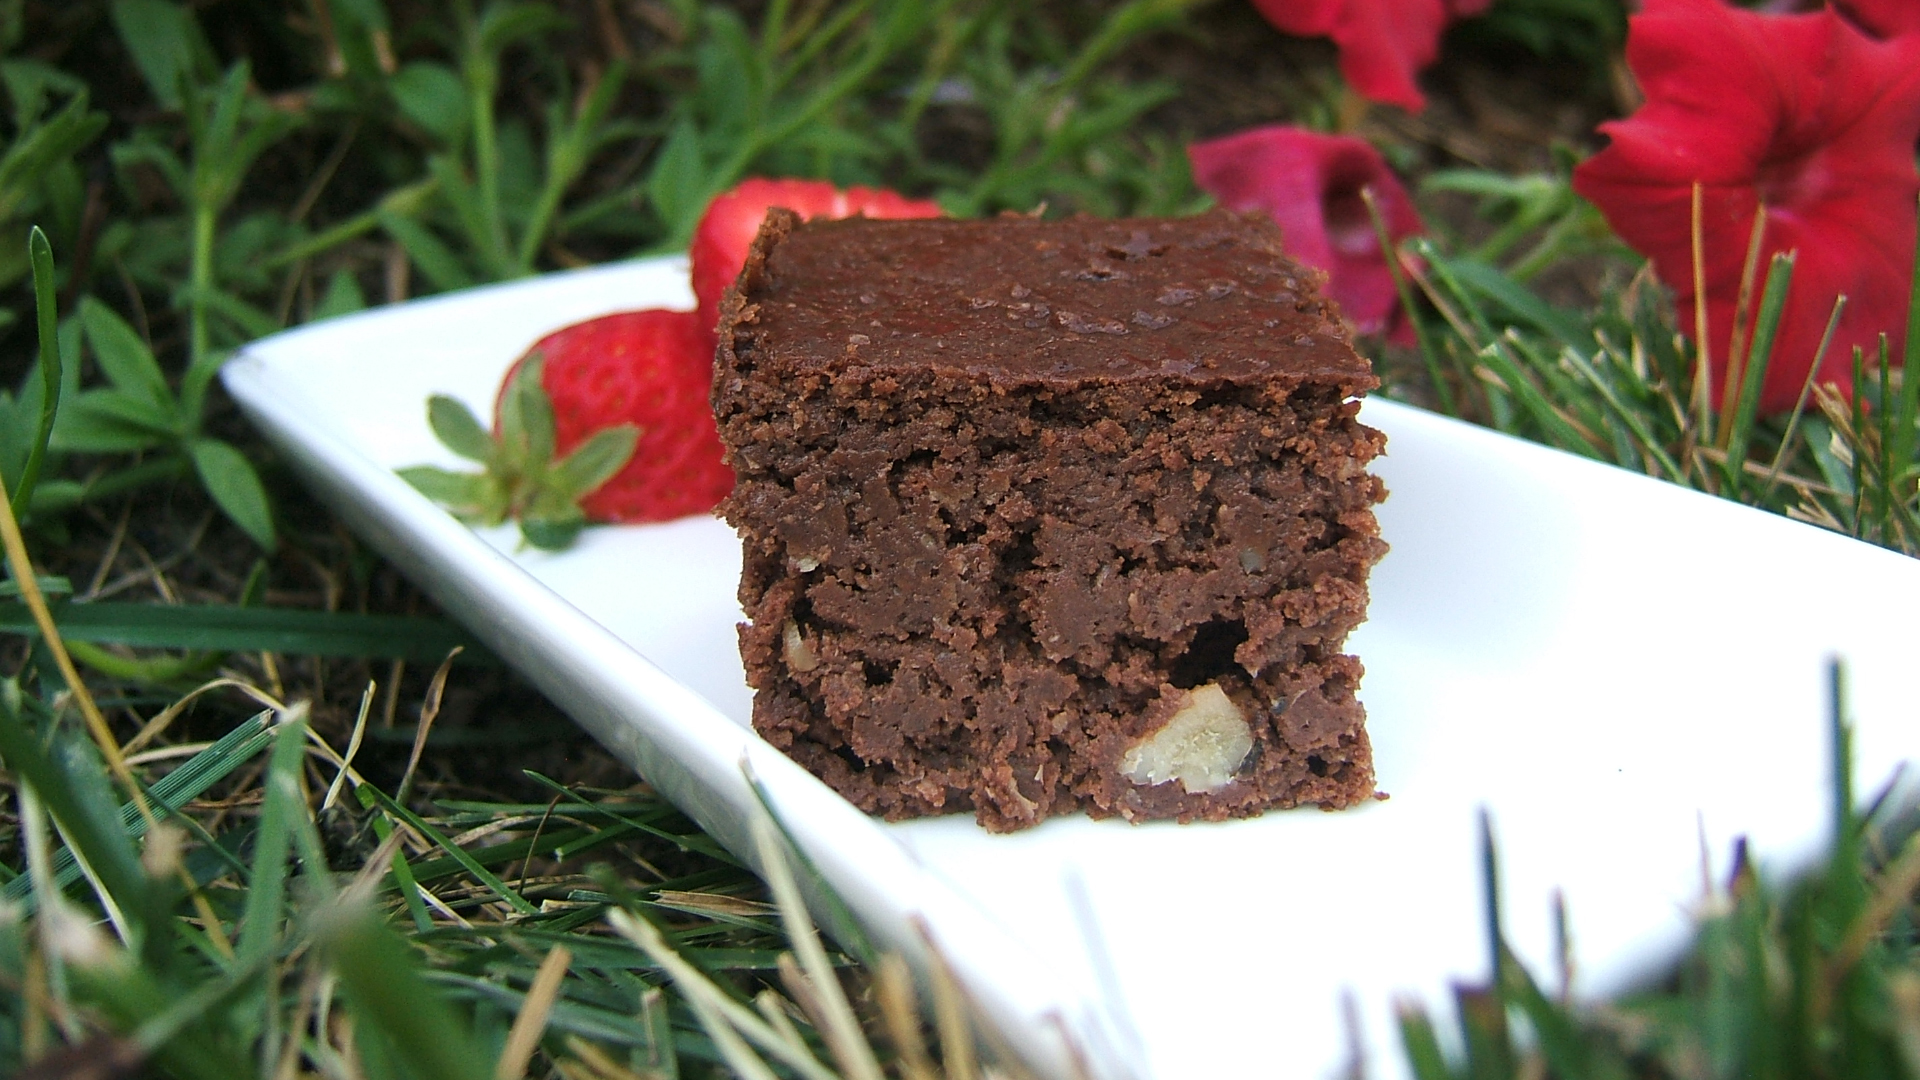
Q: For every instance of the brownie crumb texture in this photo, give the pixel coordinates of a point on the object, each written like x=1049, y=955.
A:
x=1044, y=517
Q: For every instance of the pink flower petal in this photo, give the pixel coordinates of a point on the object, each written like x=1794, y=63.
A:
x=1383, y=44
x=1310, y=185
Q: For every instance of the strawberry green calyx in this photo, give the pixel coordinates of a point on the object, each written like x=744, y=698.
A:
x=521, y=478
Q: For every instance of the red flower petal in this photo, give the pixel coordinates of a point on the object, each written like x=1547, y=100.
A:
x=1801, y=117
x=1383, y=43
x=1310, y=184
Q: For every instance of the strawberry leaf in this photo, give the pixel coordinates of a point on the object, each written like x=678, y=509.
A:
x=526, y=422
x=593, y=462
x=553, y=533
x=467, y=495
x=566, y=447
x=536, y=414
x=459, y=430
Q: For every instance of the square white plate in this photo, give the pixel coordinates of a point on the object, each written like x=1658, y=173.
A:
x=1623, y=673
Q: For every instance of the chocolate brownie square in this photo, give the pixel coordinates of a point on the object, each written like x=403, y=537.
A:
x=1045, y=516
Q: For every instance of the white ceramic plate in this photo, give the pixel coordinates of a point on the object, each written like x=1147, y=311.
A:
x=1624, y=674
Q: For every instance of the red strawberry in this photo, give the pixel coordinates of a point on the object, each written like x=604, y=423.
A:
x=726, y=230
x=652, y=369
x=605, y=420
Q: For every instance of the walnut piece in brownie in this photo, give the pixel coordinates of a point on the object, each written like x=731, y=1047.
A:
x=1046, y=516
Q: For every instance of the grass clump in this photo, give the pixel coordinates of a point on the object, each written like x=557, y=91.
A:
x=1620, y=381
x=1814, y=975
x=141, y=937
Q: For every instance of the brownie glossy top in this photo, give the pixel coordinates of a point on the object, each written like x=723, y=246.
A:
x=1208, y=298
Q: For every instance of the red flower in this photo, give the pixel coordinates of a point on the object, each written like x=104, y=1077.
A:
x=1383, y=43
x=1799, y=117
x=1310, y=183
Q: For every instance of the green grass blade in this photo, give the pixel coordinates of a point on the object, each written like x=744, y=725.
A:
x=842, y=924
x=306, y=841
x=179, y=787
x=840, y=1027
x=1490, y=887
x=150, y=670
x=47, y=322
x=384, y=987
x=1634, y=419
x=111, y=856
x=1847, y=887
x=265, y=913
x=1753, y=373
x=1559, y=431
x=1888, y=495
x=1121, y=27
x=553, y=842
x=571, y=143
x=1491, y=285
x=601, y=1025
x=724, y=1019
x=1422, y=1045
x=1857, y=464
x=404, y=201
x=233, y=629
x=1443, y=270
x=1422, y=333
x=209, y=766
x=662, y=1053
x=1483, y=1021
x=696, y=842
x=1556, y=1034
x=402, y=873
x=175, y=1026
x=187, y=1010
x=481, y=873
x=1908, y=414
x=1561, y=386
